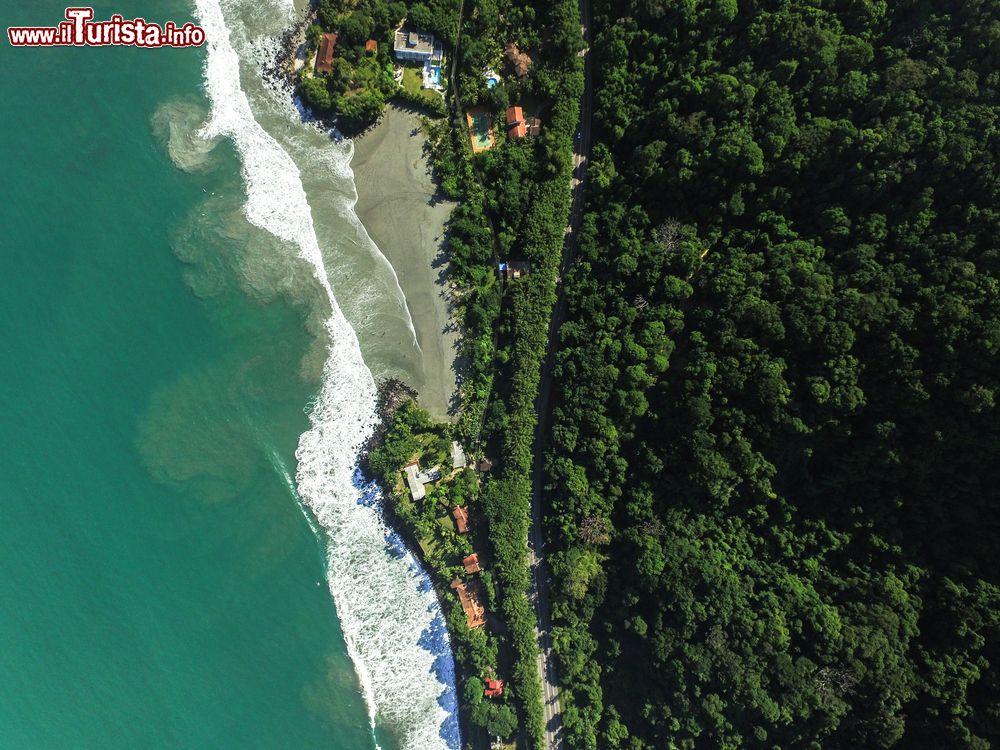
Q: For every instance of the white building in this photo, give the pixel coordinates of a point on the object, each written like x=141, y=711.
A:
x=457, y=456
x=417, y=46
x=416, y=486
x=416, y=479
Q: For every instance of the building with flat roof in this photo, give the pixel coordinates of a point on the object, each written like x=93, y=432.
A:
x=457, y=455
x=324, y=58
x=416, y=479
x=412, y=472
x=417, y=46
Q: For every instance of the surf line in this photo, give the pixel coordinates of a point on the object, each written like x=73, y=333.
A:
x=384, y=610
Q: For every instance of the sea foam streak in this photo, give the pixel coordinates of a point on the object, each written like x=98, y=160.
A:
x=391, y=619
x=262, y=50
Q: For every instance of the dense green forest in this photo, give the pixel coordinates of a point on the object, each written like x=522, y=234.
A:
x=773, y=476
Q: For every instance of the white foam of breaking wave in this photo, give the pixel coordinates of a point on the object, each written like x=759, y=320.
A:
x=390, y=617
x=336, y=152
x=274, y=457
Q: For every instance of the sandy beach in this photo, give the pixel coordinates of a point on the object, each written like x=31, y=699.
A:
x=404, y=215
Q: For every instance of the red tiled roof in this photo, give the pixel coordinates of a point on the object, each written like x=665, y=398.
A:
x=468, y=596
x=516, y=125
x=324, y=58
x=471, y=564
x=371, y=46
x=494, y=688
x=461, y=517
x=519, y=61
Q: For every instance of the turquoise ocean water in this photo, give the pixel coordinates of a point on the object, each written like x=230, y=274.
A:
x=161, y=585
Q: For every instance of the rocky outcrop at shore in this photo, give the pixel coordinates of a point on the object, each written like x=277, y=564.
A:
x=283, y=74
x=292, y=52
x=392, y=393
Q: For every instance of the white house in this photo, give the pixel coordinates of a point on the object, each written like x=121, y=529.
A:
x=457, y=456
x=415, y=45
x=416, y=479
x=416, y=486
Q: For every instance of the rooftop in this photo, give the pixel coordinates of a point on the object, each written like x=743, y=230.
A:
x=518, y=61
x=416, y=479
x=413, y=482
x=516, y=126
x=431, y=475
x=514, y=269
x=494, y=688
x=471, y=564
x=468, y=596
x=457, y=455
x=461, y=516
x=324, y=58
x=416, y=44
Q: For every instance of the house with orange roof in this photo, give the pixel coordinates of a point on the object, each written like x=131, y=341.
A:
x=471, y=564
x=517, y=127
x=461, y=516
x=324, y=58
x=471, y=600
x=494, y=688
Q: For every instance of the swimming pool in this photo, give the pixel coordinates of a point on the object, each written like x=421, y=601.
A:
x=434, y=75
x=480, y=129
x=491, y=83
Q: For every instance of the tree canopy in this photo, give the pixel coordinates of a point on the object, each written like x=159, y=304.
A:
x=772, y=478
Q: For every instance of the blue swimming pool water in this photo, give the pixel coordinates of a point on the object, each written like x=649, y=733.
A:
x=491, y=83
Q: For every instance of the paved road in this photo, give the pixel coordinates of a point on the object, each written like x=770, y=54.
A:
x=540, y=593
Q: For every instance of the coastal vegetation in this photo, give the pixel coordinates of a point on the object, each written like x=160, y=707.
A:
x=772, y=470
x=428, y=524
x=513, y=206
x=360, y=79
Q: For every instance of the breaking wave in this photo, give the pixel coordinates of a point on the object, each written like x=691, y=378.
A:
x=390, y=617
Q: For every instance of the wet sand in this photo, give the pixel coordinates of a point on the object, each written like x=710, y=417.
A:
x=404, y=215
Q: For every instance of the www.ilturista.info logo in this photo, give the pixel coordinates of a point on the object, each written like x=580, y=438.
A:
x=79, y=30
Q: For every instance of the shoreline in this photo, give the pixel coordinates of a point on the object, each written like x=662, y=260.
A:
x=328, y=452
x=393, y=394
x=400, y=207
x=404, y=214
